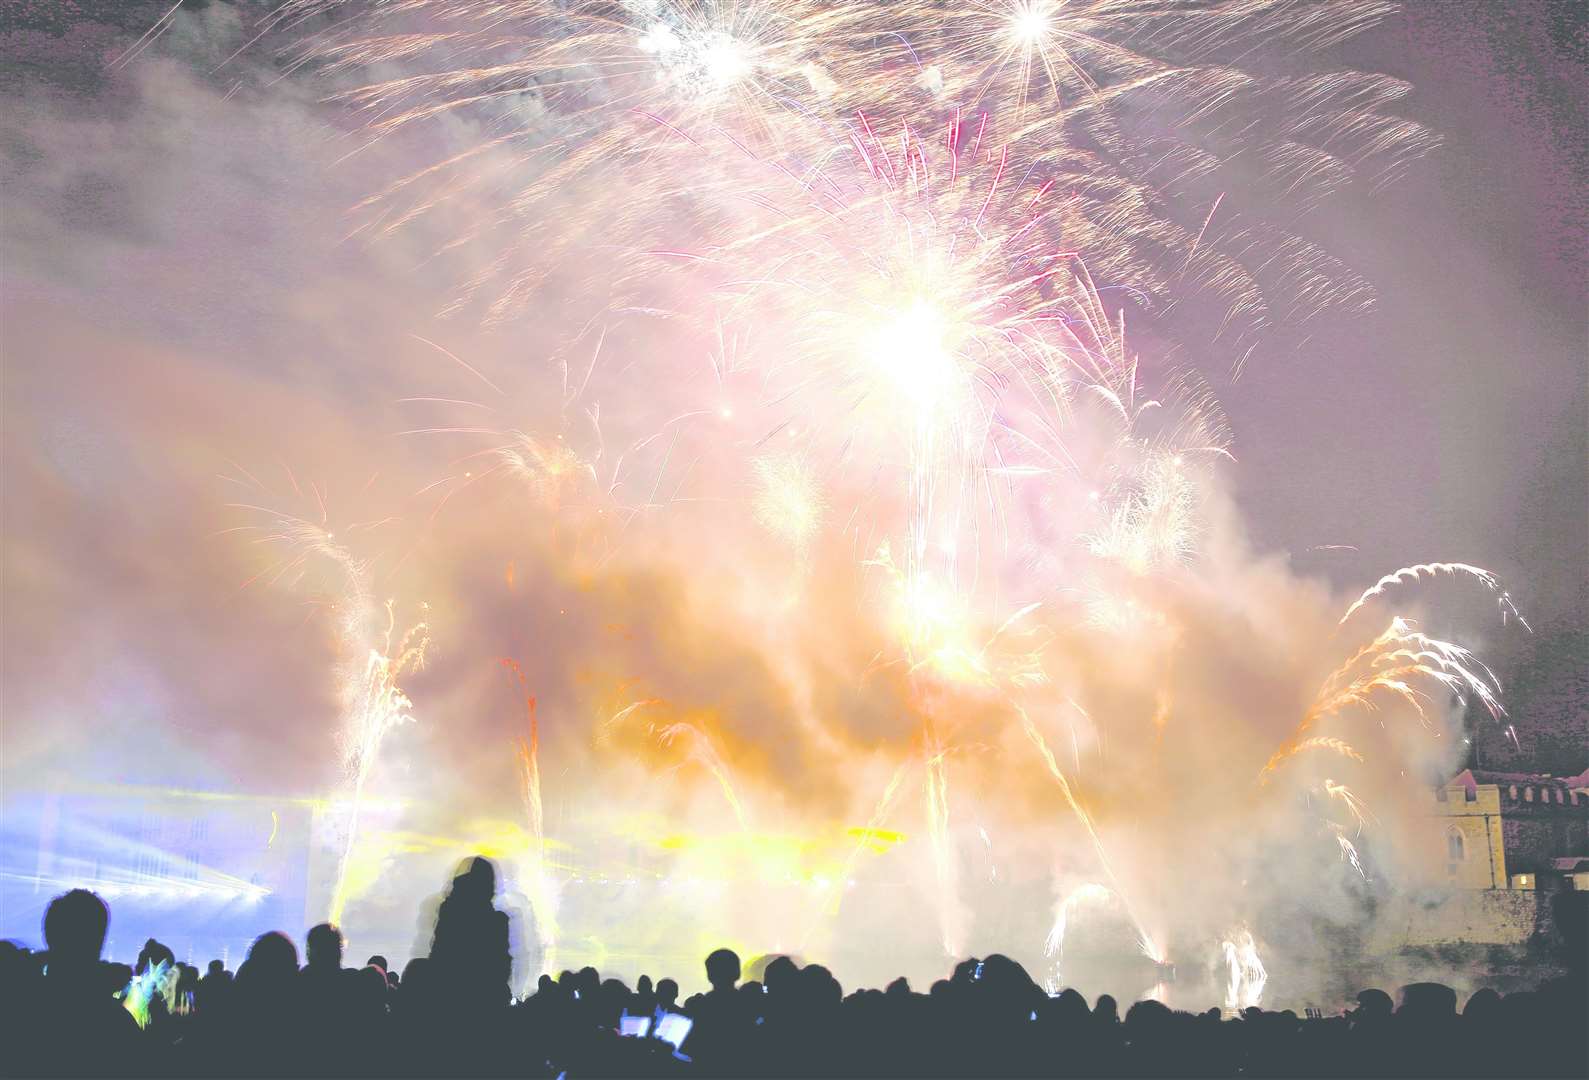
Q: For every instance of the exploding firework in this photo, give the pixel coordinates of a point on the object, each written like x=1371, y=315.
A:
x=862, y=274
x=1152, y=125
x=1400, y=664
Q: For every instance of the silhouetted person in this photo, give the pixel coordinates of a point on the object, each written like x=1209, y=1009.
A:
x=715, y=1041
x=156, y=967
x=451, y=1017
x=213, y=987
x=323, y=1000
x=644, y=1000
x=20, y=980
x=470, y=967
x=470, y=948
x=380, y=963
x=152, y=955
x=78, y=1028
x=1426, y=1031
x=667, y=996
x=260, y=1024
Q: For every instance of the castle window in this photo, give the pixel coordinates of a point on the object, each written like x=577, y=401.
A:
x=1513, y=791
x=1456, y=846
x=1528, y=794
x=1470, y=794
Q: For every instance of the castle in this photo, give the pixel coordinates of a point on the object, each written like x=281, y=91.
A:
x=1510, y=845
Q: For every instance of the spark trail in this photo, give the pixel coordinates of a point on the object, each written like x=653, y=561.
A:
x=543, y=894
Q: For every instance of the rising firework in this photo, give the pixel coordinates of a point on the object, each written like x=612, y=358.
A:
x=373, y=656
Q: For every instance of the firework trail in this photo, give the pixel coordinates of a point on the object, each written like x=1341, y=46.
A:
x=374, y=704
x=1354, y=805
x=375, y=656
x=936, y=789
x=543, y=895
x=1144, y=939
x=1054, y=944
x=1245, y=975
x=1349, y=853
x=1410, y=574
x=698, y=747
x=530, y=758
x=875, y=822
x=1325, y=742
x=305, y=543
x=1398, y=664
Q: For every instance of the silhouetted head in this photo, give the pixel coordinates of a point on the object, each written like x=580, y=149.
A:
x=1427, y=1001
x=1107, y=1009
x=74, y=928
x=1372, y=1004
x=154, y=955
x=820, y=986
x=1070, y=1006
x=370, y=982
x=324, y=946
x=1485, y=1004
x=1147, y=1019
x=900, y=987
x=613, y=996
x=477, y=881
x=544, y=983
x=1004, y=977
x=273, y=957
x=667, y=993
x=378, y=961
x=722, y=969
x=780, y=975
x=216, y=968
x=115, y=977
x=643, y=985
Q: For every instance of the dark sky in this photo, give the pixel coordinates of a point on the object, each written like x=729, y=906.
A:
x=1451, y=424
x=1454, y=423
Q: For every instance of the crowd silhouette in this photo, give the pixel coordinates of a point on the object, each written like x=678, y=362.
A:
x=452, y=1013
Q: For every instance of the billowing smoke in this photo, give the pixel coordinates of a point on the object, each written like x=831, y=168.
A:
x=806, y=678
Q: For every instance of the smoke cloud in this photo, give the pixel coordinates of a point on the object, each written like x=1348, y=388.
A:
x=204, y=339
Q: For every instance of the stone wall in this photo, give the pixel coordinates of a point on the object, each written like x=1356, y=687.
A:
x=1461, y=917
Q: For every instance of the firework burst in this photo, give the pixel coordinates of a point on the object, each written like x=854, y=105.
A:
x=1149, y=120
